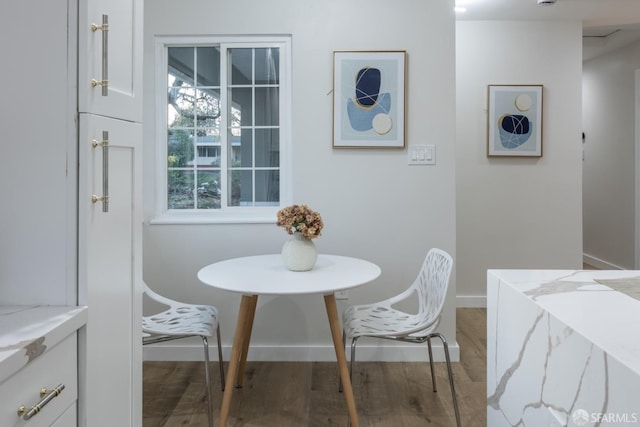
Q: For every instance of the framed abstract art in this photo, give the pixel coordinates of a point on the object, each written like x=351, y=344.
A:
x=514, y=125
x=369, y=99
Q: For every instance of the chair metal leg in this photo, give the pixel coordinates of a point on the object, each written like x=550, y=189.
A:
x=207, y=378
x=220, y=361
x=453, y=389
x=353, y=356
x=353, y=361
x=433, y=374
x=344, y=342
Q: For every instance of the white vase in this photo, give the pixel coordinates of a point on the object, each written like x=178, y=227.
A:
x=299, y=253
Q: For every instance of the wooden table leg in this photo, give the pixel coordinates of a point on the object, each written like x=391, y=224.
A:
x=247, y=338
x=336, y=334
x=238, y=343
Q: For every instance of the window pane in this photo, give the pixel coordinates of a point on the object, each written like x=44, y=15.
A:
x=241, y=184
x=181, y=103
x=241, y=66
x=267, y=66
x=180, y=189
x=180, y=150
x=208, y=66
x=208, y=190
x=267, y=187
x=208, y=149
x=267, y=105
x=181, y=63
x=267, y=148
x=241, y=106
x=233, y=150
x=243, y=149
x=207, y=108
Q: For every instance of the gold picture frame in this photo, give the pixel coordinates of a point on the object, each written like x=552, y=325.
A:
x=514, y=120
x=369, y=99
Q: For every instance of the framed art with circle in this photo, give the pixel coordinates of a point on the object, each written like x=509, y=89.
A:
x=514, y=120
x=369, y=99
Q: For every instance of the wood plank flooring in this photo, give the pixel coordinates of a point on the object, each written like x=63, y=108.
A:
x=297, y=394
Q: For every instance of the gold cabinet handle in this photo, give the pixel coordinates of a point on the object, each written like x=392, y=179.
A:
x=47, y=396
x=104, y=82
x=105, y=171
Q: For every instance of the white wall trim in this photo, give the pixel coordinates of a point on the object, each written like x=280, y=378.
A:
x=599, y=263
x=311, y=353
x=636, y=205
x=471, y=301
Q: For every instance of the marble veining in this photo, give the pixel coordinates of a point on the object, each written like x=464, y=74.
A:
x=560, y=348
x=35, y=349
x=494, y=399
x=630, y=286
x=28, y=332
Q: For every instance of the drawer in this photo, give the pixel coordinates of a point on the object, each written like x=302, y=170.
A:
x=57, y=365
x=69, y=418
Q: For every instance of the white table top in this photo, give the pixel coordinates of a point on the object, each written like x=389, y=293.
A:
x=267, y=275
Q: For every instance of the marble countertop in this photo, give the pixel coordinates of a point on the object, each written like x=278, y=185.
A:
x=601, y=305
x=27, y=332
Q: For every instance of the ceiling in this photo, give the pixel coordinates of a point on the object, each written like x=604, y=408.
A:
x=607, y=24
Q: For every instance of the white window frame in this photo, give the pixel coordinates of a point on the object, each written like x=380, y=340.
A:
x=227, y=214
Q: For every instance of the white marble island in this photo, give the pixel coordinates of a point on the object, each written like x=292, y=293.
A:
x=27, y=332
x=39, y=365
x=563, y=348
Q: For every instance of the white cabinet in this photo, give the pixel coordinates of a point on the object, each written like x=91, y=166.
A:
x=57, y=366
x=110, y=211
x=57, y=246
x=122, y=58
x=110, y=266
x=38, y=175
x=68, y=419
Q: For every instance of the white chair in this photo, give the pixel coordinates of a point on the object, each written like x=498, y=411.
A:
x=182, y=320
x=381, y=320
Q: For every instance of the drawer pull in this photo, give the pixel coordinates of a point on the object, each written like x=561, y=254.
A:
x=104, y=82
x=47, y=396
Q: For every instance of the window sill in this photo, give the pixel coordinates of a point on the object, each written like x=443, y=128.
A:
x=255, y=216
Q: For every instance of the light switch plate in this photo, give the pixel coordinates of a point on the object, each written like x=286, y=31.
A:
x=422, y=154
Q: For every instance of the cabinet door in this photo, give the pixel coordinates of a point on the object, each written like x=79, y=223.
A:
x=110, y=273
x=68, y=419
x=38, y=175
x=121, y=57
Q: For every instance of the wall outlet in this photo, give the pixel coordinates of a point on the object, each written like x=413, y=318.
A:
x=342, y=295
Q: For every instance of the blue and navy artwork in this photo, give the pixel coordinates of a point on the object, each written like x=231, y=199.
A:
x=367, y=86
x=369, y=109
x=514, y=129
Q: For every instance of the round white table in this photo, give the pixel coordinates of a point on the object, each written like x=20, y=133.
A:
x=267, y=275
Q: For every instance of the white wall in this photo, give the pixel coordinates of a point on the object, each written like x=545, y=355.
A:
x=517, y=212
x=608, y=171
x=373, y=204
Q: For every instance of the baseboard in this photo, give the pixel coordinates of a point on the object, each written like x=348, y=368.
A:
x=389, y=352
x=599, y=263
x=471, y=301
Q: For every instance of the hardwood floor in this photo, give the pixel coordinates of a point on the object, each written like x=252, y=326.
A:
x=296, y=394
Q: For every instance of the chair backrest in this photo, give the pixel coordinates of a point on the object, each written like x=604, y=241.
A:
x=146, y=290
x=432, y=284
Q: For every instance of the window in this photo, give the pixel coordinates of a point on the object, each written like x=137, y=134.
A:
x=224, y=129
